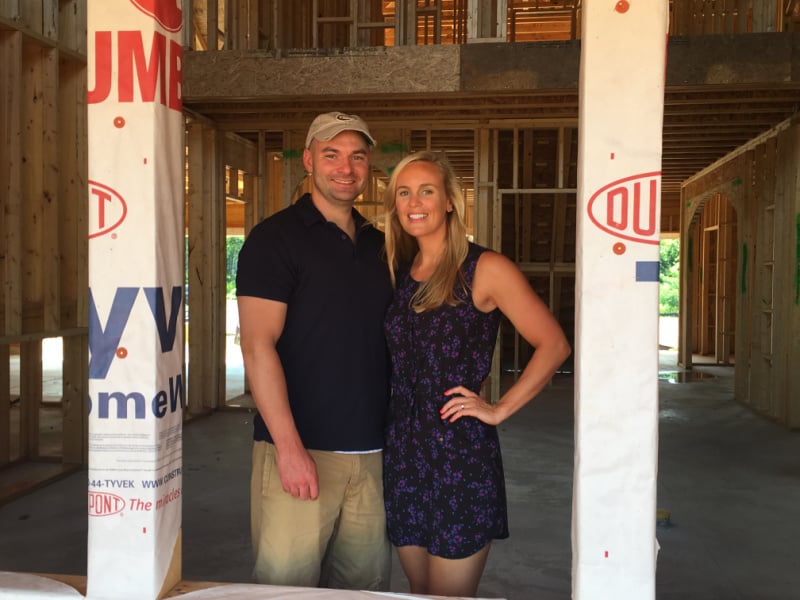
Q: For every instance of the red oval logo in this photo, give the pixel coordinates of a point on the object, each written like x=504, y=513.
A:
x=628, y=208
x=168, y=13
x=102, y=504
x=107, y=209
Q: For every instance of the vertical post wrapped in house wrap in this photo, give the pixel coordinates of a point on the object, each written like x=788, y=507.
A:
x=623, y=57
x=136, y=314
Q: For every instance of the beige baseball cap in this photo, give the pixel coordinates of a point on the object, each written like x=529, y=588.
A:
x=328, y=125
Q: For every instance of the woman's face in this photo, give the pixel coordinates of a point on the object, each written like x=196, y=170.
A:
x=421, y=201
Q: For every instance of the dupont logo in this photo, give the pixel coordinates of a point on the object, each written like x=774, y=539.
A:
x=628, y=208
x=107, y=209
x=168, y=13
x=102, y=504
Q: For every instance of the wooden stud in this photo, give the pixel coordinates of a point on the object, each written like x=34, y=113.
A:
x=760, y=392
x=201, y=178
x=791, y=181
x=30, y=391
x=72, y=182
x=745, y=310
x=11, y=182
x=245, y=22
x=75, y=392
x=786, y=302
x=50, y=18
x=523, y=226
x=50, y=166
x=5, y=404
x=212, y=25
x=72, y=27
x=9, y=9
x=206, y=267
x=32, y=186
x=74, y=250
x=31, y=15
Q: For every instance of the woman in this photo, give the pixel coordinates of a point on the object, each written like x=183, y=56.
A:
x=443, y=475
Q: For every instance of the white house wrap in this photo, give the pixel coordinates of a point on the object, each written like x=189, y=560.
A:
x=623, y=58
x=136, y=313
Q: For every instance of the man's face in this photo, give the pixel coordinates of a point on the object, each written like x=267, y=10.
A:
x=339, y=167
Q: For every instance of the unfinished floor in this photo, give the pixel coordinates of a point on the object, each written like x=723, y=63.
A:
x=729, y=478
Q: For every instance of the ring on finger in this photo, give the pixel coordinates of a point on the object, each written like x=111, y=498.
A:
x=462, y=407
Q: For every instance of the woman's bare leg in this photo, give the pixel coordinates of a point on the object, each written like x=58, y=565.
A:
x=414, y=560
x=437, y=576
x=456, y=577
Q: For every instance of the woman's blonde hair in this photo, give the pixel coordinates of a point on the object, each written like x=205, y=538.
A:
x=446, y=285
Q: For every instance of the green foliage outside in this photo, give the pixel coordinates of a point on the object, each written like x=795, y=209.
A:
x=669, y=251
x=231, y=257
x=669, y=254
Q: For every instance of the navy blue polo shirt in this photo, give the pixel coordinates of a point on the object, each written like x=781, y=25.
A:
x=332, y=347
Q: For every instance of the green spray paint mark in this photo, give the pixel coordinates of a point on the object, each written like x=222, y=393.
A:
x=737, y=181
x=797, y=260
x=289, y=154
x=744, y=269
x=395, y=148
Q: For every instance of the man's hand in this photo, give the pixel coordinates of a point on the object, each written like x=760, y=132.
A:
x=298, y=473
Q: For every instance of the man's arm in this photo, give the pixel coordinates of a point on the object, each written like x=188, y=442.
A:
x=261, y=324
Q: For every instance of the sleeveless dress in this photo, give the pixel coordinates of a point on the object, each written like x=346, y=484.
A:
x=444, y=487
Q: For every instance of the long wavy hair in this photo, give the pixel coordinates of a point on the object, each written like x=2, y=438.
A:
x=446, y=285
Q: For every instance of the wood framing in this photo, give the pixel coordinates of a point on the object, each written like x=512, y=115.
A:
x=43, y=238
x=206, y=268
x=761, y=181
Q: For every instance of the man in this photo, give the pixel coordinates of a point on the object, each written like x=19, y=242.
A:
x=312, y=287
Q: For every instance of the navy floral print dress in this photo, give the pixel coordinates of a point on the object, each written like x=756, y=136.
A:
x=444, y=487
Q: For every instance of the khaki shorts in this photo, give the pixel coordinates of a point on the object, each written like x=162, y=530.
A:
x=336, y=541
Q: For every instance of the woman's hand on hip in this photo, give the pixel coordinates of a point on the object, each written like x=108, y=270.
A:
x=466, y=403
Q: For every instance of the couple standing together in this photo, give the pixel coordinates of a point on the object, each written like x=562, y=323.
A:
x=333, y=317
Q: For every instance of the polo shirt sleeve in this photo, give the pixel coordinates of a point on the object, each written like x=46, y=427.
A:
x=265, y=266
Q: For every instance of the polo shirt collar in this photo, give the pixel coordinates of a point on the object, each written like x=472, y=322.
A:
x=310, y=214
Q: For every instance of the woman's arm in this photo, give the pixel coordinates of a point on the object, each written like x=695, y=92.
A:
x=498, y=283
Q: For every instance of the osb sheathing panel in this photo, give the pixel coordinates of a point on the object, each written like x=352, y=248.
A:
x=237, y=74
x=722, y=60
x=732, y=59
x=509, y=67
